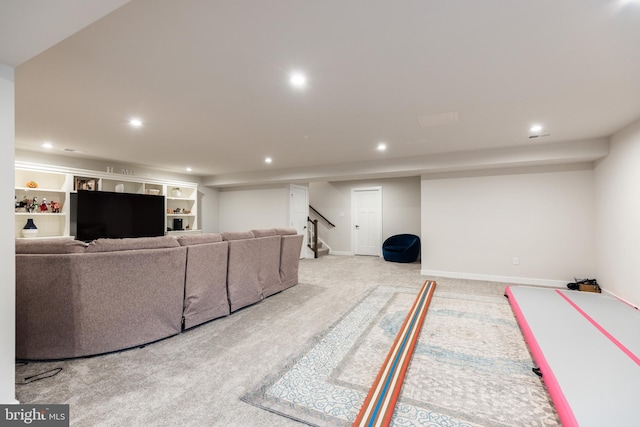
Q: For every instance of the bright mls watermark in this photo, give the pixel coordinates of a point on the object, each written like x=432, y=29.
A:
x=34, y=415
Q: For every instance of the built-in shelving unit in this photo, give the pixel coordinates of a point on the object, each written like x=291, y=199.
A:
x=55, y=184
x=181, y=205
x=52, y=187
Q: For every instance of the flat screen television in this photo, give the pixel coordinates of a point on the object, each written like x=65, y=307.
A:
x=105, y=214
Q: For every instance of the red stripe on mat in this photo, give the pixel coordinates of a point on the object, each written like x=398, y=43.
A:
x=378, y=407
x=567, y=418
x=600, y=328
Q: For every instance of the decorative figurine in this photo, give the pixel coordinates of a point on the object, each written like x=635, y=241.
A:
x=55, y=207
x=33, y=205
x=20, y=204
x=43, y=205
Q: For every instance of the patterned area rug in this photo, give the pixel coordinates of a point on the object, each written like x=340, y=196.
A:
x=470, y=367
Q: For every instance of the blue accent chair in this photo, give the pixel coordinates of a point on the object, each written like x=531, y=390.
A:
x=401, y=248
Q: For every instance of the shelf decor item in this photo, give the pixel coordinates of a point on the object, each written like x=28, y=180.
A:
x=21, y=205
x=176, y=192
x=29, y=229
x=33, y=205
x=32, y=184
x=85, y=184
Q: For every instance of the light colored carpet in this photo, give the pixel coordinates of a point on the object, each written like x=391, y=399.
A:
x=198, y=377
x=470, y=367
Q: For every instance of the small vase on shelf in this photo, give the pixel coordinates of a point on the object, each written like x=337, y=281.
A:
x=29, y=229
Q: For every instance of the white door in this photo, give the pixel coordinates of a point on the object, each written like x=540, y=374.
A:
x=299, y=213
x=367, y=220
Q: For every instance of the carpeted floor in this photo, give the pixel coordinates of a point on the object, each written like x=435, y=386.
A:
x=198, y=377
x=470, y=367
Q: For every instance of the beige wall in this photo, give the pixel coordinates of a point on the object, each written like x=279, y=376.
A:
x=617, y=179
x=254, y=208
x=7, y=247
x=400, y=208
x=208, y=209
x=474, y=227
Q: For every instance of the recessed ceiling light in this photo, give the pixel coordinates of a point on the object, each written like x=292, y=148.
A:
x=189, y=169
x=268, y=160
x=298, y=80
x=135, y=122
x=47, y=144
x=535, y=128
x=381, y=147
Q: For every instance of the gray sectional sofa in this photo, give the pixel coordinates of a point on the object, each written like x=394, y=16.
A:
x=74, y=299
x=205, y=283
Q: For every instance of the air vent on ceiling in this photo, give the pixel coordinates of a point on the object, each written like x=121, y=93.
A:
x=543, y=135
x=442, y=119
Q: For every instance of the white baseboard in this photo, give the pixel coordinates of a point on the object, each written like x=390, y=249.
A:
x=491, y=278
x=620, y=298
x=345, y=253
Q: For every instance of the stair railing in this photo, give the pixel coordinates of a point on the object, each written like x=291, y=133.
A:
x=329, y=223
x=313, y=236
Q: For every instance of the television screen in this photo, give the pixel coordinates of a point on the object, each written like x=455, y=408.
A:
x=104, y=214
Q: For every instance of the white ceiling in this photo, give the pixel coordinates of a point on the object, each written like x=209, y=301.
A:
x=29, y=27
x=209, y=79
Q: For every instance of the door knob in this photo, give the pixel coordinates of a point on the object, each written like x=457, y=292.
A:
x=357, y=227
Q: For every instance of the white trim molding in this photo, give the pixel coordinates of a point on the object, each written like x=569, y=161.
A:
x=491, y=278
x=620, y=298
x=342, y=253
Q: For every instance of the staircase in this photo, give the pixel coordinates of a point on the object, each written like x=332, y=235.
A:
x=322, y=249
x=315, y=243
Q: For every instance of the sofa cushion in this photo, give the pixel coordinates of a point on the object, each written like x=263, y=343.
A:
x=237, y=235
x=199, y=239
x=128, y=244
x=55, y=246
x=264, y=232
x=286, y=231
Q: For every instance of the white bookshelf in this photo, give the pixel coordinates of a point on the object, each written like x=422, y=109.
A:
x=57, y=184
x=52, y=186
